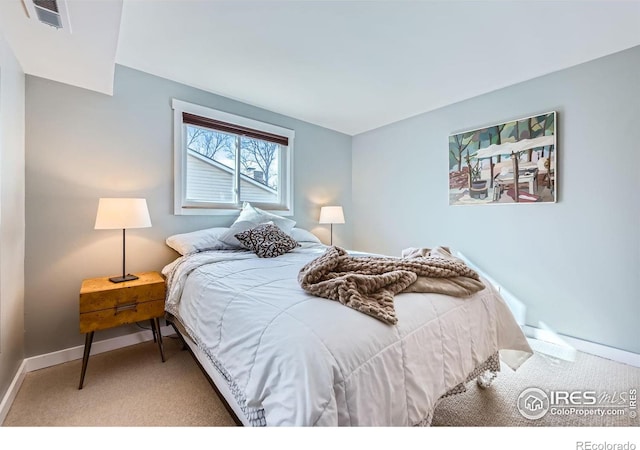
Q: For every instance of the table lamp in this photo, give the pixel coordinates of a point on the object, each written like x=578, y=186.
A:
x=122, y=213
x=331, y=215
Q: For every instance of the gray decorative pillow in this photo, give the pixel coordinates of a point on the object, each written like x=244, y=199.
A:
x=266, y=240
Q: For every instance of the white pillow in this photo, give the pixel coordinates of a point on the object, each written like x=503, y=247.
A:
x=258, y=216
x=302, y=235
x=229, y=237
x=198, y=241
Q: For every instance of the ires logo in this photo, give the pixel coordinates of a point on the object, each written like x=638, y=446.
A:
x=534, y=403
x=575, y=398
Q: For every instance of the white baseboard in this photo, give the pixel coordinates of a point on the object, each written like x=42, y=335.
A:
x=14, y=387
x=73, y=353
x=614, y=354
x=566, y=347
x=70, y=354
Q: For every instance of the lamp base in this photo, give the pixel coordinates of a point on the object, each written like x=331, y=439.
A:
x=128, y=277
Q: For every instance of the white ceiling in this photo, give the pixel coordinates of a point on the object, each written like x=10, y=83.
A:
x=347, y=65
x=83, y=57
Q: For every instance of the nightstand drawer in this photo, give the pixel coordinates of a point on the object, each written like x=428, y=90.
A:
x=108, y=295
x=120, y=315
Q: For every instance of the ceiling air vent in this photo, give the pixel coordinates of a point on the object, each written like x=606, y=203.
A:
x=50, y=12
x=47, y=11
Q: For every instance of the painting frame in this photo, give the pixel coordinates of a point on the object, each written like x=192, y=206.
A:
x=510, y=162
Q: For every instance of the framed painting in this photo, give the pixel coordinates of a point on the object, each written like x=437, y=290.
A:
x=511, y=162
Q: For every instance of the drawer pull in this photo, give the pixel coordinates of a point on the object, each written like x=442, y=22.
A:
x=120, y=308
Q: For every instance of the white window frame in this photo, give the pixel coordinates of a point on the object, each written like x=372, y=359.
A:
x=183, y=206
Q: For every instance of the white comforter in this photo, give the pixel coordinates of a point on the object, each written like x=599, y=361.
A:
x=294, y=359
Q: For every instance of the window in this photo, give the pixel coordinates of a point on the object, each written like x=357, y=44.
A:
x=223, y=160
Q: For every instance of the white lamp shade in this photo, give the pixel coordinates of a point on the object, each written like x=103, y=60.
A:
x=331, y=214
x=122, y=213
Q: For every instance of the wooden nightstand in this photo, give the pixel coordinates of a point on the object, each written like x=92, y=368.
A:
x=104, y=304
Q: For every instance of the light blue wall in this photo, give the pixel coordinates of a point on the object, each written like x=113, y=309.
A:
x=82, y=145
x=576, y=263
x=12, y=227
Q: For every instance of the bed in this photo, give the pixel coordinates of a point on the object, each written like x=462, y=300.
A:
x=279, y=356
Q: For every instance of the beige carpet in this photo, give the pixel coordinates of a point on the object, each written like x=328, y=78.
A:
x=125, y=387
x=132, y=387
x=496, y=406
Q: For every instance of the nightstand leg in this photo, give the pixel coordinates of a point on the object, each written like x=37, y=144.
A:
x=156, y=323
x=153, y=329
x=85, y=359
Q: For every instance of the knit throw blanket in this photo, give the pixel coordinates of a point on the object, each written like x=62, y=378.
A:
x=369, y=283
